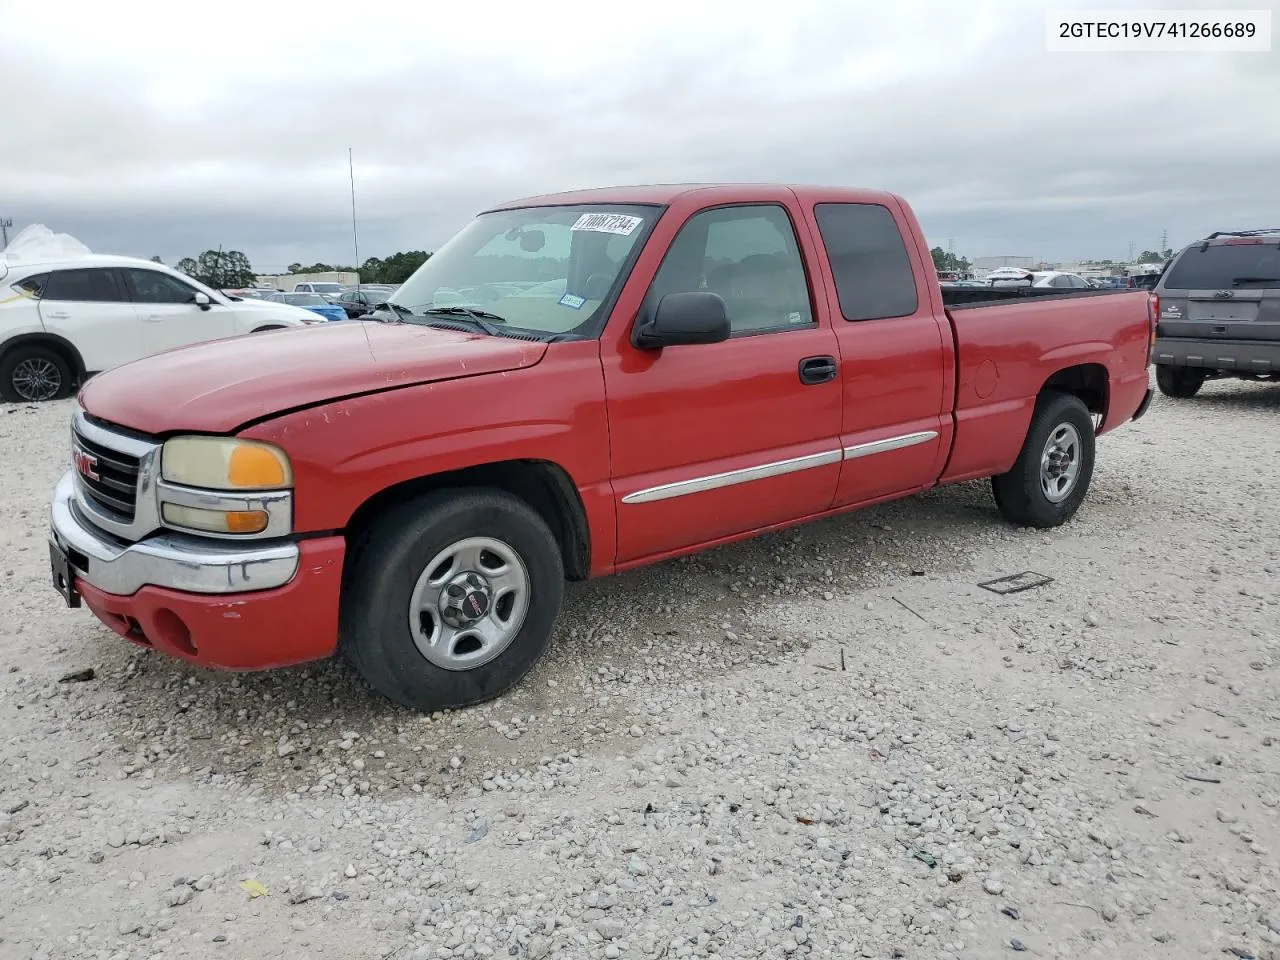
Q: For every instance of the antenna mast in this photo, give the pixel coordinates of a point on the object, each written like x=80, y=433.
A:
x=355, y=240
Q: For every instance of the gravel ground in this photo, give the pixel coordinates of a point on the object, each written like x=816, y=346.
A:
x=824, y=743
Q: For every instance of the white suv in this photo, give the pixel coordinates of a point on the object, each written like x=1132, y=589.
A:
x=63, y=320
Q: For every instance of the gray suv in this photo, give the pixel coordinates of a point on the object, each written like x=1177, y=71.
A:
x=1218, y=312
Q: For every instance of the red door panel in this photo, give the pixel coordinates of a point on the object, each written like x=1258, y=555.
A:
x=713, y=440
x=689, y=415
x=896, y=351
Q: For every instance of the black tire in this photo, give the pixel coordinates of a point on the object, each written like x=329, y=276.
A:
x=57, y=382
x=1181, y=383
x=1019, y=494
x=384, y=567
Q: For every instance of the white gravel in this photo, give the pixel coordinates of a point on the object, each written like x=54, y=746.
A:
x=825, y=743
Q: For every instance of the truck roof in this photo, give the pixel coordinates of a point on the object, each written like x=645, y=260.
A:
x=667, y=193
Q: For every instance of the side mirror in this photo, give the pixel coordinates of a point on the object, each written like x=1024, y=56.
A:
x=683, y=318
x=201, y=300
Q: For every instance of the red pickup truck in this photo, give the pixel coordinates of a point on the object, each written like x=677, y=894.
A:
x=572, y=386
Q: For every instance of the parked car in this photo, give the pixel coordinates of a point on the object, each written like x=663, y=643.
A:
x=323, y=288
x=1054, y=279
x=314, y=302
x=358, y=302
x=249, y=293
x=63, y=320
x=709, y=363
x=1217, y=304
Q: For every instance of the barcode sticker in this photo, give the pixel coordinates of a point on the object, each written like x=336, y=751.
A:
x=608, y=223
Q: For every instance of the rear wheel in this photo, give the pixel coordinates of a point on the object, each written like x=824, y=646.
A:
x=1051, y=476
x=1181, y=383
x=33, y=374
x=451, y=598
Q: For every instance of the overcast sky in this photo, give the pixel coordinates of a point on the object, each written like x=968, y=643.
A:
x=162, y=129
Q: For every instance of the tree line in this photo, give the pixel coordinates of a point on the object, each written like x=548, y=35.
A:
x=230, y=269
x=944, y=261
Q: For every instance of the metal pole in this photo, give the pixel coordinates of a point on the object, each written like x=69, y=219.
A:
x=355, y=240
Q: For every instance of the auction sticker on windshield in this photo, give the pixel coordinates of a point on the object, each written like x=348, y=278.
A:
x=608, y=223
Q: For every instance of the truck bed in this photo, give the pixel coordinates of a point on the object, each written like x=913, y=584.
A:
x=964, y=297
x=997, y=379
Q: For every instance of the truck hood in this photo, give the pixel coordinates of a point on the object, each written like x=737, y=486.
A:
x=218, y=386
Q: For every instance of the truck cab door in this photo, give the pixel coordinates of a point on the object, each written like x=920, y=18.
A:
x=709, y=441
x=896, y=352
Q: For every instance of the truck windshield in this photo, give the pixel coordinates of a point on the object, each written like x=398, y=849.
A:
x=1226, y=266
x=541, y=269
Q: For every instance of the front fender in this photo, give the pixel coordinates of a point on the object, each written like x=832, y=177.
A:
x=345, y=452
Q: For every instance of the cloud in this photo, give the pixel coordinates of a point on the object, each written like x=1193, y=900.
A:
x=163, y=134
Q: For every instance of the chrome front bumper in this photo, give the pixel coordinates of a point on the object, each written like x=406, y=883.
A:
x=172, y=560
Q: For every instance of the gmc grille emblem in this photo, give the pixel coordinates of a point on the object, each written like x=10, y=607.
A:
x=86, y=464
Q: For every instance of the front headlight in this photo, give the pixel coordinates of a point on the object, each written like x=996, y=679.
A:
x=224, y=463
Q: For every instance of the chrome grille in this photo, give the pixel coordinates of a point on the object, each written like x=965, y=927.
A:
x=108, y=477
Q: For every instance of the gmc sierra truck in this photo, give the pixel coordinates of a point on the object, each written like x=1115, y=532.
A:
x=572, y=386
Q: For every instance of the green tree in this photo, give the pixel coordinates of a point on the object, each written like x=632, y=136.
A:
x=219, y=269
x=942, y=261
x=156, y=259
x=396, y=268
x=320, y=268
x=1154, y=256
x=224, y=268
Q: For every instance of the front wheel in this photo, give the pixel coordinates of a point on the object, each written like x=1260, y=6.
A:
x=1181, y=383
x=33, y=374
x=1051, y=476
x=450, y=598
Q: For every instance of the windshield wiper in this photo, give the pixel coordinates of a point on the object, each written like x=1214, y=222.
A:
x=477, y=319
x=466, y=312
x=1237, y=281
x=466, y=323
x=397, y=311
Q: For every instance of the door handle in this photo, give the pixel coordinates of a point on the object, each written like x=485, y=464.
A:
x=153, y=318
x=815, y=370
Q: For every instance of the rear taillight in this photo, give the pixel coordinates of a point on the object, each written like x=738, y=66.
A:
x=1153, y=323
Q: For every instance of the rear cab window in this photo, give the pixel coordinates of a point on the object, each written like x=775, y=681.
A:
x=1239, y=265
x=869, y=261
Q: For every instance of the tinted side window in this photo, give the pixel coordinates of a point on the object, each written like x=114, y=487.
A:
x=1062, y=280
x=35, y=286
x=1226, y=267
x=151, y=286
x=84, y=286
x=750, y=257
x=869, y=260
